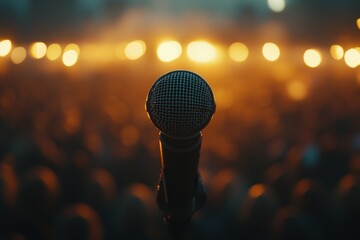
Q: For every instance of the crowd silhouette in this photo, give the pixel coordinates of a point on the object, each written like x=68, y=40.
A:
x=79, y=158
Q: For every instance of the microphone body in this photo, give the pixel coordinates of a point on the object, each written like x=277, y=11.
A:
x=180, y=192
x=180, y=104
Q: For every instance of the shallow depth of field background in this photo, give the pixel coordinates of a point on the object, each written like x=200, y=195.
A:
x=79, y=158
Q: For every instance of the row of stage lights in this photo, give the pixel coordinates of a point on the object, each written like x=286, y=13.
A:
x=167, y=51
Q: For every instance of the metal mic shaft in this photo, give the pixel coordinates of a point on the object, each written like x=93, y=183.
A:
x=180, y=104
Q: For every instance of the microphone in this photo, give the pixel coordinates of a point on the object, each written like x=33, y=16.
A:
x=180, y=104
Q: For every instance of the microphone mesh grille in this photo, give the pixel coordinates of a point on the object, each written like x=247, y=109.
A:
x=180, y=104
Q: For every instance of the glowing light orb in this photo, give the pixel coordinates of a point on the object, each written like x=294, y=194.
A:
x=53, y=51
x=276, y=5
x=271, y=51
x=337, y=52
x=135, y=49
x=38, y=50
x=70, y=57
x=312, y=58
x=5, y=47
x=296, y=90
x=201, y=51
x=18, y=55
x=169, y=51
x=72, y=46
x=238, y=52
x=352, y=57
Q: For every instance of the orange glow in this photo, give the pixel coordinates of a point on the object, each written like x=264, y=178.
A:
x=271, y=51
x=256, y=190
x=352, y=57
x=5, y=47
x=135, y=49
x=98, y=52
x=18, y=55
x=238, y=52
x=201, y=51
x=169, y=51
x=312, y=58
x=53, y=51
x=70, y=57
x=38, y=50
x=296, y=90
x=129, y=135
x=358, y=23
x=337, y=52
x=72, y=46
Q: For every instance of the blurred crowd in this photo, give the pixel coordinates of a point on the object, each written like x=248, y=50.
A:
x=80, y=159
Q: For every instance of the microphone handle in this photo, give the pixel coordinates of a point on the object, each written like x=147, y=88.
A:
x=180, y=192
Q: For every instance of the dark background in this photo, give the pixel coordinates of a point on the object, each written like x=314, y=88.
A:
x=80, y=159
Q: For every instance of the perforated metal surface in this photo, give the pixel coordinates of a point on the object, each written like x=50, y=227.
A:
x=180, y=103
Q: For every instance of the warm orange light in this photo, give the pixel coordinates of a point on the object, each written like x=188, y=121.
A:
x=169, y=51
x=129, y=135
x=72, y=46
x=296, y=90
x=201, y=51
x=5, y=47
x=53, y=51
x=238, y=52
x=38, y=50
x=337, y=52
x=70, y=57
x=312, y=58
x=256, y=190
x=276, y=5
x=18, y=55
x=352, y=57
x=358, y=23
x=271, y=51
x=135, y=49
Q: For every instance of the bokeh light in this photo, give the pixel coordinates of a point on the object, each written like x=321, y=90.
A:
x=312, y=58
x=18, y=55
x=337, y=52
x=296, y=90
x=358, y=23
x=5, y=47
x=38, y=50
x=201, y=51
x=352, y=57
x=238, y=52
x=276, y=5
x=135, y=49
x=271, y=51
x=70, y=57
x=169, y=51
x=256, y=190
x=129, y=135
x=72, y=46
x=53, y=51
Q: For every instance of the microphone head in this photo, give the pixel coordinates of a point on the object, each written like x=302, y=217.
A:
x=180, y=104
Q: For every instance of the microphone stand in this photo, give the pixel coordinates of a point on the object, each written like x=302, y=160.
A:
x=180, y=192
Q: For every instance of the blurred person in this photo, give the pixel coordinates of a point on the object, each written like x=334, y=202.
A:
x=8, y=193
x=79, y=222
x=347, y=207
x=280, y=181
x=137, y=217
x=256, y=214
x=306, y=217
x=100, y=192
x=225, y=190
x=37, y=202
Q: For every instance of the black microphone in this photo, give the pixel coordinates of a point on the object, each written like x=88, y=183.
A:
x=180, y=104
